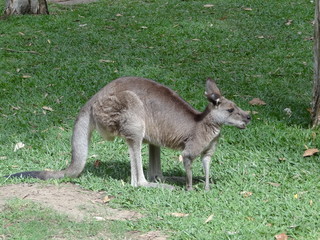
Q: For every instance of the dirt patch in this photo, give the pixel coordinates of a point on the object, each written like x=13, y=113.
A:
x=75, y=202
x=68, y=199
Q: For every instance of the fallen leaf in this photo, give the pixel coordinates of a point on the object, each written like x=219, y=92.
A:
x=209, y=218
x=250, y=218
x=293, y=226
x=296, y=196
x=176, y=214
x=310, y=152
x=310, y=202
x=144, y=27
x=49, y=41
x=106, y=61
x=47, y=108
x=83, y=25
x=99, y=218
x=282, y=159
x=246, y=194
x=119, y=15
x=274, y=184
x=308, y=38
x=97, y=163
x=180, y=158
x=289, y=22
x=281, y=236
x=257, y=101
x=3, y=157
x=260, y=37
x=208, y=5
x=48, y=169
x=15, y=108
x=196, y=39
x=122, y=183
x=107, y=199
x=247, y=9
x=288, y=111
x=21, y=33
x=26, y=76
x=18, y=146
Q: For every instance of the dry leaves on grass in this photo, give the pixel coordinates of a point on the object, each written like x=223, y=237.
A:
x=177, y=214
x=209, y=218
x=106, y=61
x=18, y=146
x=246, y=194
x=289, y=22
x=274, y=184
x=310, y=152
x=107, y=198
x=281, y=236
x=208, y=5
x=47, y=108
x=97, y=163
x=257, y=101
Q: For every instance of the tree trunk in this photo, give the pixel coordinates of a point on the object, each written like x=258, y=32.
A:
x=316, y=81
x=26, y=7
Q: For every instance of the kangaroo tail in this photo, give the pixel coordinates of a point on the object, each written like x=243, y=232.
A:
x=80, y=143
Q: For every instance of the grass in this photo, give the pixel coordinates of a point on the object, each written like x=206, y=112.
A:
x=250, y=47
x=24, y=220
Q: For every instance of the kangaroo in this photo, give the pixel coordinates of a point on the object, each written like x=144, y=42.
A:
x=142, y=110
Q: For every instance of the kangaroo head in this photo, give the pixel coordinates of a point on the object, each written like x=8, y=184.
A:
x=223, y=110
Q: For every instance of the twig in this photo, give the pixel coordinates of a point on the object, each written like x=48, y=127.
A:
x=12, y=50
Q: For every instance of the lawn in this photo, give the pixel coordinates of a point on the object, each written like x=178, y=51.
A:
x=261, y=185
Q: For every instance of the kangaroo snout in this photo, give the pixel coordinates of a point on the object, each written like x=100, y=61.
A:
x=246, y=118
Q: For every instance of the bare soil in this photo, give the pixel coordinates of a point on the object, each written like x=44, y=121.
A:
x=75, y=202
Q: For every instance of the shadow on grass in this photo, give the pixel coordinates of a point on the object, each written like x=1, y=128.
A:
x=120, y=170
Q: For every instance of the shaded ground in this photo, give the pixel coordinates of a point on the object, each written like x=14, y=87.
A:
x=75, y=202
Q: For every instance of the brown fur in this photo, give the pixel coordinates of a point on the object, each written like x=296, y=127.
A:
x=141, y=110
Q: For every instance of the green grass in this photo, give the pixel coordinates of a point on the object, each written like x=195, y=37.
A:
x=178, y=43
x=25, y=220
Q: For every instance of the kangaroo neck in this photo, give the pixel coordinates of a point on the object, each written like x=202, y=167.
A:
x=206, y=120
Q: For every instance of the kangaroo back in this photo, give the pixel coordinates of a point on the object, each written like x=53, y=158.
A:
x=167, y=117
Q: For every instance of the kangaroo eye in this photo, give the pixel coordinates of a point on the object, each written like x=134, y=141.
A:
x=230, y=110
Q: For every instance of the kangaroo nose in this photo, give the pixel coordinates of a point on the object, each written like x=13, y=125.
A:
x=249, y=117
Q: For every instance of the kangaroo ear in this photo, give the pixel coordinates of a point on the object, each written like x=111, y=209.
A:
x=212, y=92
x=214, y=98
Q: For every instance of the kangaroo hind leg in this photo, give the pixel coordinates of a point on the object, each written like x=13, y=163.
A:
x=154, y=172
